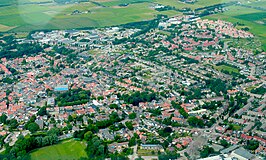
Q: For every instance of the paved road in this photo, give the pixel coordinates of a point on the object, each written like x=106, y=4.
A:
x=149, y=157
x=134, y=155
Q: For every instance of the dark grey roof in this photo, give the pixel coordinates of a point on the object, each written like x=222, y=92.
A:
x=229, y=149
x=243, y=153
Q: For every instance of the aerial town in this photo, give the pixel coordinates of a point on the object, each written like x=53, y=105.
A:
x=170, y=88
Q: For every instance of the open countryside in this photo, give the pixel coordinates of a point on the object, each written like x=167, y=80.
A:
x=28, y=15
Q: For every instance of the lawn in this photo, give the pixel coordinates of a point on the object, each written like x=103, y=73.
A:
x=146, y=152
x=236, y=127
x=226, y=68
x=251, y=87
x=67, y=150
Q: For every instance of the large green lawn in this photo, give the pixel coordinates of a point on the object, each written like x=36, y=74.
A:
x=226, y=68
x=67, y=150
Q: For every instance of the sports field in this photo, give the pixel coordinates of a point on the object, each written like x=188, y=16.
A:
x=226, y=68
x=67, y=150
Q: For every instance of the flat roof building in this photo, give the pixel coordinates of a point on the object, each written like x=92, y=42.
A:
x=61, y=88
x=242, y=154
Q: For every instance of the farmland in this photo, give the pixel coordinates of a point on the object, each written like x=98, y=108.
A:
x=27, y=17
x=67, y=150
x=109, y=3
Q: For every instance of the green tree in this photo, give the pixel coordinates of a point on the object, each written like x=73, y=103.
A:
x=3, y=118
x=195, y=122
x=206, y=151
x=132, y=142
x=252, y=145
x=113, y=106
x=13, y=123
x=129, y=125
x=70, y=118
x=132, y=115
x=33, y=127
x=88, y=135
x=42, y=111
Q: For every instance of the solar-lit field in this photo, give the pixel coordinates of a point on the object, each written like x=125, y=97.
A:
x=67, y=150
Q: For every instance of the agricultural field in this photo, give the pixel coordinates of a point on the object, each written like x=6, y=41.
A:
x=67, y=150
x=259, y=17
x=14, y=2
x=5, y=28
x=177, y=4
x=27, y=17
x=109, y=3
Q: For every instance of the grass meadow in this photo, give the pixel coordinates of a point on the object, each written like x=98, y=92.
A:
x=66, y=150
x=226, y=68
x=23, y=18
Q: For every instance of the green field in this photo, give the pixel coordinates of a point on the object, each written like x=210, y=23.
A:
x=236, y=127
x=226, y=68
x=20, y=16
x=250, y=88
x=253, y=17
x=27, y=17
x=67, y=150
x=109, y=3
x=146, y=152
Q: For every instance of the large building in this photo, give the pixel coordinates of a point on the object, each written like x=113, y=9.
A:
x=61, y=88
x=242, y=154
x=151, y=146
